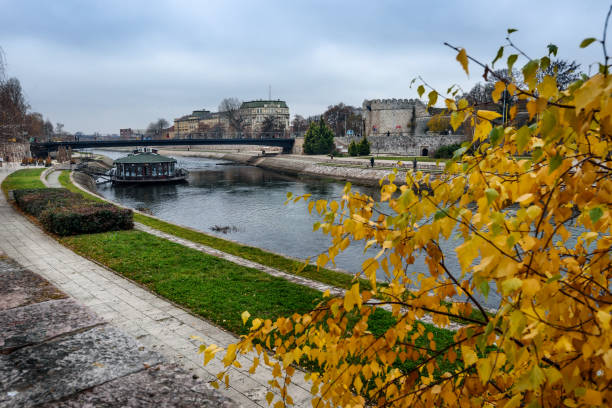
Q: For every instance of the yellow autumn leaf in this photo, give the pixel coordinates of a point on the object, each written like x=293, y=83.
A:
x=530, y=286
x=500, y=87
x=468, y=355
x=463, y=60
x=487, y=114
x=245, y=316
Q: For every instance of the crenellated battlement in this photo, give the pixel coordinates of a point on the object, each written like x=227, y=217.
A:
x=387, y=104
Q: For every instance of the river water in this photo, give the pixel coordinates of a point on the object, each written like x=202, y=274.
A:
x=250, y=201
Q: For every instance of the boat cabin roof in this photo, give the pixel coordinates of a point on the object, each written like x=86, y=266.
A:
x=144, y=158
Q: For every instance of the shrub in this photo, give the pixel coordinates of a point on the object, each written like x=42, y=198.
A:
x=34, y=201
x=364, y=147
x=447, y=151
x=66, y=213
x=86, y=218
x=353, y=150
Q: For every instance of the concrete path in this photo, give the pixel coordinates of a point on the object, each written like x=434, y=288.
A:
x=55, y=352
x=154, y=321
x=52, y=179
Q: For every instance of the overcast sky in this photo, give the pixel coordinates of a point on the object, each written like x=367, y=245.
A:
x=105, y=65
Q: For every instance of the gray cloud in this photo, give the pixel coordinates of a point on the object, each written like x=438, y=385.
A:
x=102, y=65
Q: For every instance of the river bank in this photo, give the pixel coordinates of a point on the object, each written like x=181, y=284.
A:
x=354, y=170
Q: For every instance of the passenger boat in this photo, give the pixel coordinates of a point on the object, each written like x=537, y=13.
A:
x=146, y=166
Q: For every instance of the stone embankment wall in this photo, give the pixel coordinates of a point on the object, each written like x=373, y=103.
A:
x=298, y=146
x=306, y=167
x=14, y=152
x=411, y=145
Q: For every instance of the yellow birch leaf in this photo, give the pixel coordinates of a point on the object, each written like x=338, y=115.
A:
x=604, y=319
x=530, y=286
x=525, y=199
x=500, y=86
x=358, y=384
x=245, y=316
x=483, y=366
x=468, y=355
x=514, y=402
x=488, y=115
x=531, y=108
x=510, y=285
x=548, y=87
x=534, y=211
x=463, y=60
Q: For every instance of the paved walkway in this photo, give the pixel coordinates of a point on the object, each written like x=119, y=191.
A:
x=55, y=352
x=52, y=179
x=154, y=321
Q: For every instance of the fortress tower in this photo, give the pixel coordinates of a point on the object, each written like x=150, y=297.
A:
x=395, y=117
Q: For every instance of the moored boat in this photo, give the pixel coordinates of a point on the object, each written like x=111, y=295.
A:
x=146, y=166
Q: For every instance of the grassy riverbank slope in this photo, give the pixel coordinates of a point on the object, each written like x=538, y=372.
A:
x=213, y=288
x=24, y=178
x=292, y=266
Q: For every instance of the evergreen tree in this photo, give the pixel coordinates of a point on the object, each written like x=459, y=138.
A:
x=353, y=150
x=319, y=138
x=364, y=147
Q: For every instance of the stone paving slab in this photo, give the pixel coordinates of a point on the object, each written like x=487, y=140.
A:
x=49, y=371
x=38, y=322
x=20, y=287
x=166, y=385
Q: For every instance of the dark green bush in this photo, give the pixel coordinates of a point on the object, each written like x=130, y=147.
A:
x=446, y=152
x=65, y=213
x=364, y=147
x=353, y=149
x=86, y=218
x=34, y=201
x=361, y=148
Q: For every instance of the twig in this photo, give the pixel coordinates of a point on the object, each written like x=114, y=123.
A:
x=603, y=42
x=510, y=43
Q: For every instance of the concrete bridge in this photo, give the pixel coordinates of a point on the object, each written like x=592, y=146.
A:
x=44, y=148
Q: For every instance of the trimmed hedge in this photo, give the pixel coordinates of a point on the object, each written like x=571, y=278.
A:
x=66, y=213
x=35, y=201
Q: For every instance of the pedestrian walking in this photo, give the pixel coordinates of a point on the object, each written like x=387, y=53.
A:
x=372, y=161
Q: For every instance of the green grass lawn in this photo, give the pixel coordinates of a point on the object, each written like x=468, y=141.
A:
x=213, y=288
x=21, y=179
x=64, y=180
x=210, y=287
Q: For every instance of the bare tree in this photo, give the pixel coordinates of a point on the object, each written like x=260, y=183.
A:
x=271, y=127
x=341, y=118
x=565, y=71
x=230, y=109
x=299, y=124
x=13, y=109
x=156, y=129
x=48, y=130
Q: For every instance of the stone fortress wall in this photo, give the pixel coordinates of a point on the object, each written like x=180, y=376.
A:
x=399, y=126
x=409, y=145
x=395, y=116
